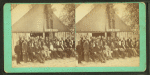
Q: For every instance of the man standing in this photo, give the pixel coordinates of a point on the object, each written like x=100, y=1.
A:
x=79, y=51
x=24, y=50
x=20, y=43
x=86, y=50
x=18, y=52
x=82, y=53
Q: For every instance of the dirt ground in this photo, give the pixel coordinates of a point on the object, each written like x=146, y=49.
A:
x=72, y=62
x=127, y=62
x=66, y=62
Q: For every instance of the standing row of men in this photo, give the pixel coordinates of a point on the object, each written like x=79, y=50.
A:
x=39, y=49
x=102, y=49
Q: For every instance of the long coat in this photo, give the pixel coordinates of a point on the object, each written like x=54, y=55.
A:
x=86, y=46
x=17, y=49
x=24, y=47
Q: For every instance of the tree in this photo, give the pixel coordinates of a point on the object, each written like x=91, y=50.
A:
x=68, y=15
x=49, y=11
x=132, y=16
x=110, y=12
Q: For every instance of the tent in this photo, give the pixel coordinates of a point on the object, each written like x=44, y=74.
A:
x=96, y=21
x=34, y=21
x=57, y=24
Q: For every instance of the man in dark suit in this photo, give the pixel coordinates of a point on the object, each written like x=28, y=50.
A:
x=129, y=46
x=79, y=51
x=86, y=50
x=24, y=50
x=20, y=43
x=82, y=41
x=18, y=52
x=67, y=41
x=129, y=42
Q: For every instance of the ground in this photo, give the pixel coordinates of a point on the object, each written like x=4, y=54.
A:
x=72, y=62
x=127, y=62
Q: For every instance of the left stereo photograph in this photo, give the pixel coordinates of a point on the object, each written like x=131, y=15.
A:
x=43, y=35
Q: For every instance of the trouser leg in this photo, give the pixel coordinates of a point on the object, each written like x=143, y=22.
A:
x=25, y=57
x=86, y=55
x=79, y=58
x=18, y=58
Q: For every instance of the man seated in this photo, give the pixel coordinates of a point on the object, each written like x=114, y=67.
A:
x=122, y=49
x=37, y=54
x=98, y=52
x=115, y=50
x=60, y=49
x=53, y=51
x=137, y=47
x=133, y=49
x=46, y=51
x=108, y=51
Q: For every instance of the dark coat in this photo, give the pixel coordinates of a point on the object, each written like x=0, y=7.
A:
x=82, y=41
x=73, y=46
x=67, y=42
x=17, y=49
x=137, y=45
x=78, y=49
x=129, y=43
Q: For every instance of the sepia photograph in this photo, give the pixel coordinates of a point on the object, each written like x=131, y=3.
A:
x=74, y=37
x=43, y=35
x=107, y=35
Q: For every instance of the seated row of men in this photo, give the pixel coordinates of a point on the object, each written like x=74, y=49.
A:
x=104, y=49
x=36, y=49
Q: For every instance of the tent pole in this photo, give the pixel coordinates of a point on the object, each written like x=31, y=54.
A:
x=44, y=35
x=105, y=34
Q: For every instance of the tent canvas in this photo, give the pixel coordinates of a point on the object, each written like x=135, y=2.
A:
x=96, y=21
x=34, y=21
x=57, y=24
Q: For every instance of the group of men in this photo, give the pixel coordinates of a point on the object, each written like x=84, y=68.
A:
x=39, y=49
x=102, y=48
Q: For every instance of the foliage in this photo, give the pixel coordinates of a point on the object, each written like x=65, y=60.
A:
x=68, y=15
x=132, y=16
x=132, y=13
